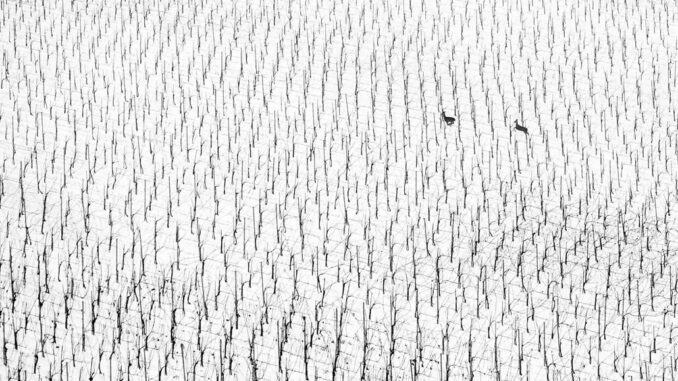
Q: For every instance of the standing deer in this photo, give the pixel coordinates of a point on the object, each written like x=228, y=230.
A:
x=448, y=119
x=519, y=127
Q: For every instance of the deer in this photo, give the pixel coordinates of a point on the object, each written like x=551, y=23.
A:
x=448, y=119
x=520, y=127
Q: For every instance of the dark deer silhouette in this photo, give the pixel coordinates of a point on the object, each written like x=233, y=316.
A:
x=519, y=127
x=448, y=119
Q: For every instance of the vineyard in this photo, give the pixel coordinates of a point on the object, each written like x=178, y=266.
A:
x=338, y=190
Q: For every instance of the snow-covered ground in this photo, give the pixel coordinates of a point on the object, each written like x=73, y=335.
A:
x=266, y=190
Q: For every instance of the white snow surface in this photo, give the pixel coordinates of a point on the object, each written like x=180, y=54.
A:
x=266, y=190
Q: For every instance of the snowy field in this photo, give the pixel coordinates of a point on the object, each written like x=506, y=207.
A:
x=266, y=190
